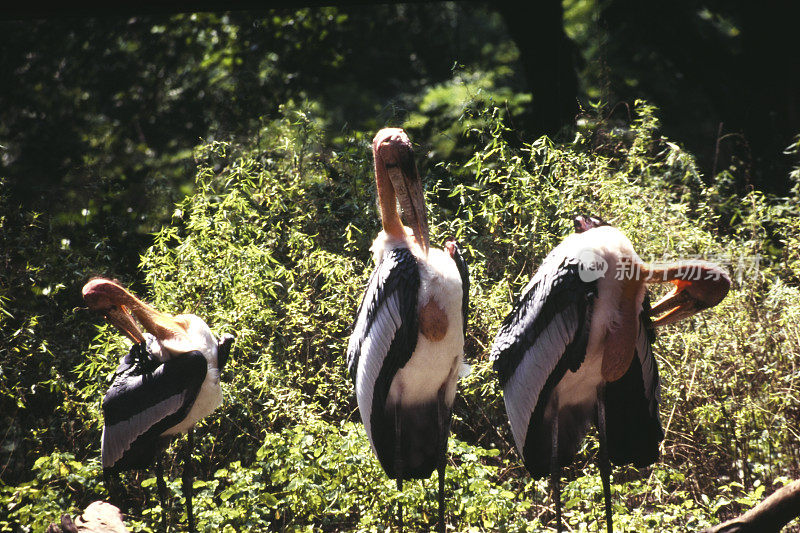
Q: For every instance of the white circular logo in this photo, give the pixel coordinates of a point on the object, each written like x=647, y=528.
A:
x=591, y=266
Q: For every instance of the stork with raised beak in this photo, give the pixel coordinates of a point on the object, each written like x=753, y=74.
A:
x=406, y=349
x=576, y=350
x=168, y=382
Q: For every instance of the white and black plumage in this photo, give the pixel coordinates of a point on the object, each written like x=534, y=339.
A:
x=576, y=350
x=406, y=349
x=168, y=381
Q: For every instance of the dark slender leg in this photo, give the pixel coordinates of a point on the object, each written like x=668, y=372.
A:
x=399, y=506
x=441, y=497
x=162, y=491
x=555, y=466
x=604, y=464
x=114, y=494
x=398, y=464
x=444, y=418
x=187, y=481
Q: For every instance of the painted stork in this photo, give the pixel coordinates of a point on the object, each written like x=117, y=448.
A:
x=576, y=349
x=406, y=350
x=168, y=382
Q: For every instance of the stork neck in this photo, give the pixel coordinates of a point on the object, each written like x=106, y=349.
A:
x=390, y=218
x=620, y=341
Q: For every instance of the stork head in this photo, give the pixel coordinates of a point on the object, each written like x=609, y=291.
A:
x=698, y=285
x=107, y=297
x=120, y=307
x=396, y=170
x=586, y=222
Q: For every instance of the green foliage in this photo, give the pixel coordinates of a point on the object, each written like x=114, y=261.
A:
x=272, y=246
x=448, y=110
x=42, y=339
x=100, y=117
x=269, y=241
x=58, y=477
x=260, y=249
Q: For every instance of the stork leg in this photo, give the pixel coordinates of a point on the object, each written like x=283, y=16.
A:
x=399, y=506
x=441, y=497
x=604, y=464
x=555, y=466
x=115, y=495
x=187, y=480
x=162, y=492
x=398, y=464
x=443, y=414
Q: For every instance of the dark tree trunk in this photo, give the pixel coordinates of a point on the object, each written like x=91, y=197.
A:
x=770, y=78
x=548, y=57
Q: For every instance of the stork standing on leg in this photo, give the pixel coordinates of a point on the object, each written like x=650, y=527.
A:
x=576, y=349
x=168, y=382
x=407, y=345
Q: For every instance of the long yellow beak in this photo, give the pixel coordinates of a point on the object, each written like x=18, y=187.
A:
x=698, y=286
x=119, y=317
x=394, y=159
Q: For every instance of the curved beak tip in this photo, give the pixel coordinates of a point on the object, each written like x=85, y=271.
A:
x=691, y=297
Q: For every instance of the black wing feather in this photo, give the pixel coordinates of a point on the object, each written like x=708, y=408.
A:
x=560, y=288
x=403, y=281
x=397, y=274
x=388, y=317
x=224, y=348
x=464, y=272
x=138, y=389
x=556, y=309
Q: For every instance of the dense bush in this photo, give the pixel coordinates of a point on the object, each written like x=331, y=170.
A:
x=272, y=246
